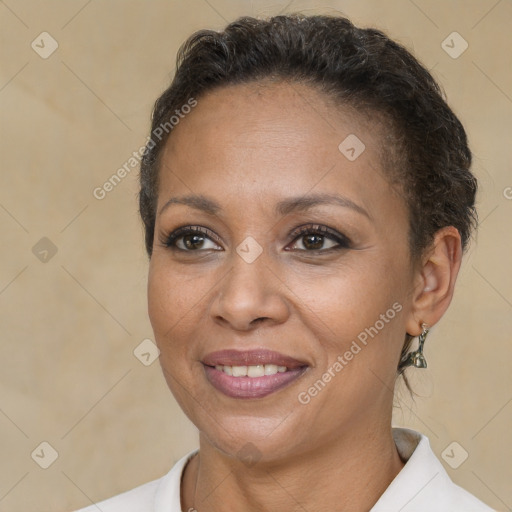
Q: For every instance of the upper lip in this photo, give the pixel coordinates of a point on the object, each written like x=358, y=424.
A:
x=232, y=357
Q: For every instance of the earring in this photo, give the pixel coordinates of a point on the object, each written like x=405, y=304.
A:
x=416, y=358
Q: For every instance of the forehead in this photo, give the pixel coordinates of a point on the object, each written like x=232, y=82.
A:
x=273, y=139
x=281, y=114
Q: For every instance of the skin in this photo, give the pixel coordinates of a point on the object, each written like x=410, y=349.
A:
x=247, y=147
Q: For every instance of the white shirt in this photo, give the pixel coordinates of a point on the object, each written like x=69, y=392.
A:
x=421, y=486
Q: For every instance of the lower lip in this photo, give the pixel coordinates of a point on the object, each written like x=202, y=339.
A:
x=250, y=387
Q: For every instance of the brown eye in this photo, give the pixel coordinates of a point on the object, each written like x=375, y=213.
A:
x=313, y=242
x=318, y=238
x=191, y=239
x=192, y=242
x=315, y=237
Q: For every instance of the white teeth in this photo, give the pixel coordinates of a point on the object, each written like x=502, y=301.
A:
x=259, y=370
x=239, y=371
x=256, y=371
x=270, y=369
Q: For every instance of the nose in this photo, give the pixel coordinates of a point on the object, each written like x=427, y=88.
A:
x=249, y=295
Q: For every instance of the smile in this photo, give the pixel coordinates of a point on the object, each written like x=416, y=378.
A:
x=268, y=373
x=252, y=371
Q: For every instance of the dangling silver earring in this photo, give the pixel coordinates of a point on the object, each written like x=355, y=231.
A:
x=416, y=358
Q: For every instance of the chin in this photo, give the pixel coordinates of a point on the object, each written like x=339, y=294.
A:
x=250, y=446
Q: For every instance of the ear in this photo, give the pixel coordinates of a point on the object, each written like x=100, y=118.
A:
x=434, y=281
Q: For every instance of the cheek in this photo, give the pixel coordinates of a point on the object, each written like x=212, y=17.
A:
x=172, y=303
x=171, y=296
x=177, y=308
x=356, y=314
x=351, y=297
x=168, y=305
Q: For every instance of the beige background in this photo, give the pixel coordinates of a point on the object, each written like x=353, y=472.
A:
x=69, y=326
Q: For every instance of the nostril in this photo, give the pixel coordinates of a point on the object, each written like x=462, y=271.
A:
x=260, y=319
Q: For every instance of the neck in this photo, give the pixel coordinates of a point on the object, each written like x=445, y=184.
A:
x=348, y=473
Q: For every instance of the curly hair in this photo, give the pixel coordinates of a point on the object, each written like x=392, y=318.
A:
x=360, y=68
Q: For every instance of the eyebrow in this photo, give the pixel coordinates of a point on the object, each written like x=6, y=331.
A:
x=199, y=202
x=304, y=203
x=283, y=207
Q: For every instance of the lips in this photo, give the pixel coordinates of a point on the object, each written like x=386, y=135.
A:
x=251, y=358
x=251, y=374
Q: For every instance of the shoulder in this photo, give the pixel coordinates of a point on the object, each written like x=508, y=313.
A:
x=423, y=484
x=158, y=495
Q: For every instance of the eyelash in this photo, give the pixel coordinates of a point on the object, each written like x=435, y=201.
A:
x=311, y=229
x=170, y=240
x=327, y=233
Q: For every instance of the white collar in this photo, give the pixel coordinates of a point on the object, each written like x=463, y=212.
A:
x=421, y=486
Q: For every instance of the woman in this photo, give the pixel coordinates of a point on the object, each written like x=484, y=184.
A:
x=306, y=197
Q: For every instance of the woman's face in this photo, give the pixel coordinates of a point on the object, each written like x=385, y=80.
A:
x=298, y=258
